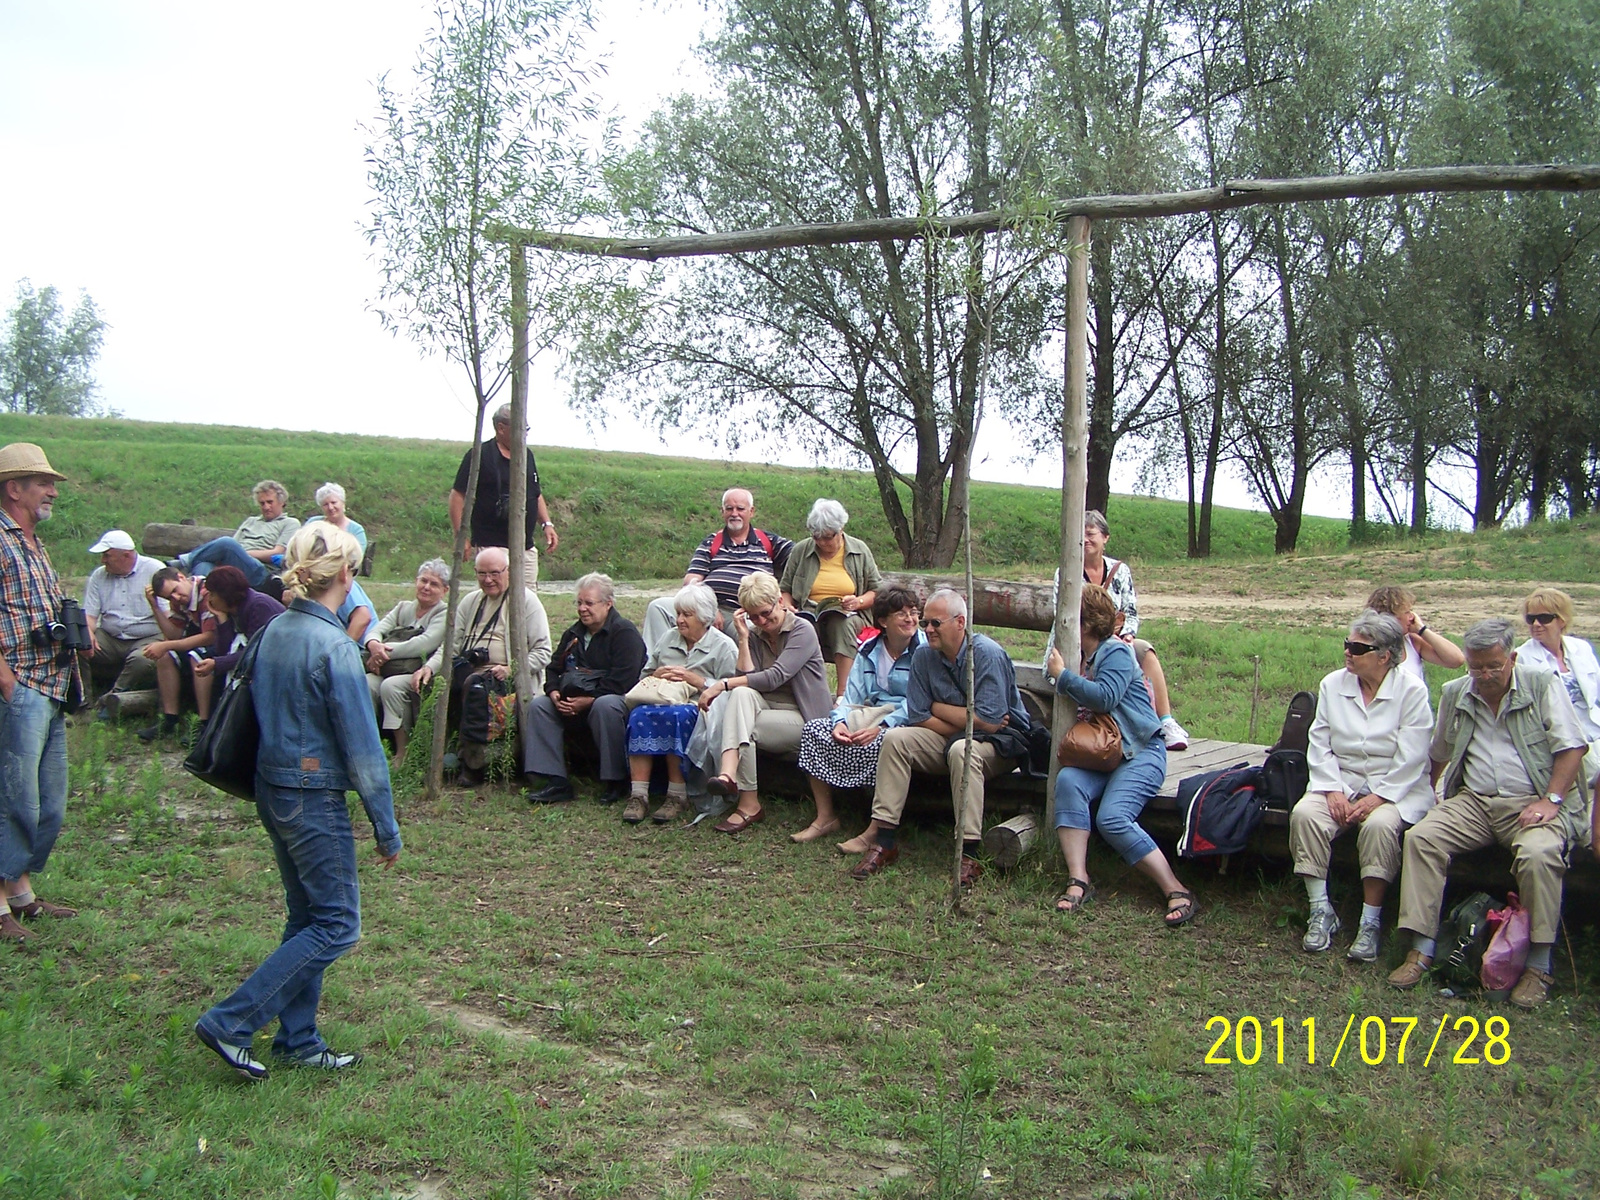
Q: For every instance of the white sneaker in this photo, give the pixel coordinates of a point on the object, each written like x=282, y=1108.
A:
x=1176, y=736
x=237, y=1057
x=1365, y=946
x=1324, y=923
x=326, y=1060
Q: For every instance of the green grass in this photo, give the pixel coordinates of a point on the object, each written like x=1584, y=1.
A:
x=635, y=516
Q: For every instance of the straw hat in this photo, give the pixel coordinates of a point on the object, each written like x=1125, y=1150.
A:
x=21, y=459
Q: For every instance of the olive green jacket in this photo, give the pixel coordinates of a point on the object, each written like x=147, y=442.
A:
x=805, y=562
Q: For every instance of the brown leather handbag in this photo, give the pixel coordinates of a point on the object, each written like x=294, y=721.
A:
x=1094, y=743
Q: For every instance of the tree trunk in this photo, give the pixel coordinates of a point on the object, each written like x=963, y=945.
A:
x=1419, y=478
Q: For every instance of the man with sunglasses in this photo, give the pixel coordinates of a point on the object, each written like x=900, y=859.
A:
x=1509, y=747
x=933, y=739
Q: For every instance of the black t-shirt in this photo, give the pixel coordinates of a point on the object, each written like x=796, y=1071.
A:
x=491, y=514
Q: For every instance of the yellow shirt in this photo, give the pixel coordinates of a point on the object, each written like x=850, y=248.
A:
x=833, y=581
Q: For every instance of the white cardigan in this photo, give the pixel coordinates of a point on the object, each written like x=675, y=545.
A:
x=1581, y=661
x=1381, y=748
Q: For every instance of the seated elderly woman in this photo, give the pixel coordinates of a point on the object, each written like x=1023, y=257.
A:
x=1548, y=615
x=399, y=644
x=1369, y=772
x=1423, y=643
x=242, y=612
x=782, y=684
x=1110, y=682
x=688, y=657
x=330, y=499
x=841, y=749
x=833, y=577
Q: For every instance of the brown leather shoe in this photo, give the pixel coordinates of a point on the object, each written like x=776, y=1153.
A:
x=1411, y=972
x=1533, y=989
x=636, y=808
x=11, y=931
x=971, y=870
x=875, y=860
x=42, y=908
x=674, y=808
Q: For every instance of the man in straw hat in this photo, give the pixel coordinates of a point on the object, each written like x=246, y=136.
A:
x=34, y=683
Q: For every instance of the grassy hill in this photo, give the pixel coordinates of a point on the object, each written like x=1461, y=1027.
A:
x=636, y=516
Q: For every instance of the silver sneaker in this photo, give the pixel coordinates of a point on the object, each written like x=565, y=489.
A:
x=325, y=1060
x=1320, y=929
x=1365, y=946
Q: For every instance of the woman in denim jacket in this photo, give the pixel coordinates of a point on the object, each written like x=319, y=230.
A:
x=318, y=740
x=1112, y=683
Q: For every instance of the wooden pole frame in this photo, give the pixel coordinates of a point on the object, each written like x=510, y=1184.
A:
x=517, y=639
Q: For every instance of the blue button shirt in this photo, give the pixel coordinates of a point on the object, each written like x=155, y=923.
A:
x=935, y=679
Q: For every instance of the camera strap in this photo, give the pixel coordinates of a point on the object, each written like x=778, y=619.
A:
x=474, y=638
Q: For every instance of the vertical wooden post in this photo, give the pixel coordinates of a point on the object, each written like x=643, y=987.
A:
x=1074, y=480
x=518, y=514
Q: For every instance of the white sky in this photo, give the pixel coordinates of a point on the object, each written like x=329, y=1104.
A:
x=197, y=168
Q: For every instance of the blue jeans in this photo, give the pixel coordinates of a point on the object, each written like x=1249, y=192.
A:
x=310, y=832
x=225, y=552
x=1122, y=794
x=33, y=780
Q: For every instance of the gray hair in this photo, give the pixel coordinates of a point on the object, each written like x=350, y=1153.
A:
x=746, y=491
x=954, y=602
x=329, y=491
x=436, y=567
x=697, y=600
x=498, y=555
x=502, y=415
x=1097, y=519
x=1487, y=635
x=827, y=516
x=595, y=581
x=270, y=485
x=1382, y=632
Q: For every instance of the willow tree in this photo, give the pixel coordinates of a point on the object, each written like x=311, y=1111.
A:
x=495, y=125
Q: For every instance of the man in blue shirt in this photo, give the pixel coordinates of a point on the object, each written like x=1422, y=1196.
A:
x=933, y=739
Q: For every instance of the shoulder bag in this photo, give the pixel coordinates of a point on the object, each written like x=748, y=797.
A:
x=1094, y=743
x=224, y=755
x=653, y=690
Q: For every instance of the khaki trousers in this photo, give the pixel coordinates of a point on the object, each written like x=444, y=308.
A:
x=394, y=700
x=1312, y=830
x=1468, y=821
x=768, y=720
x=912, y=748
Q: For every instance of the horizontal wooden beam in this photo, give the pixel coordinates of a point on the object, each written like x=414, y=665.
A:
x=1238, y=193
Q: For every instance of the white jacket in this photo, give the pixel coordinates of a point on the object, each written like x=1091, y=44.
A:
x=1581, y=661
x=1381, y=748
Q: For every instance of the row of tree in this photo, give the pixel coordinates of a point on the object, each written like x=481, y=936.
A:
x=1393, y=338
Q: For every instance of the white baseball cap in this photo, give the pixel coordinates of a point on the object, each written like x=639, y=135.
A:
x=112, y=539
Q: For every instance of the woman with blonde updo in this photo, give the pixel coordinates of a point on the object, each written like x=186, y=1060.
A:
x=318, y=741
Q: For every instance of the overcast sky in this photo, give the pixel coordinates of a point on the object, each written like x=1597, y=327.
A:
x=197, y=168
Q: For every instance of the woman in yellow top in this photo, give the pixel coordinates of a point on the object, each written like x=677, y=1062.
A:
x=833, y=578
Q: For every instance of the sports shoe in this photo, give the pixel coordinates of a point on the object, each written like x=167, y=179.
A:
x=1175, y=735
x=1324, y=923
x=636, y=809
x=1364, y=948
x=674, y=808
x=237, y=1057
x=322, y=1060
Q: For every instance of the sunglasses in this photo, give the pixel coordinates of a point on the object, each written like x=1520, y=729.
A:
x=1357, y=649
x=933, y=623
x=1540, y=618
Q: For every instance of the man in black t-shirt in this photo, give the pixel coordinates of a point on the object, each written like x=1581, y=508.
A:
x=491, y=513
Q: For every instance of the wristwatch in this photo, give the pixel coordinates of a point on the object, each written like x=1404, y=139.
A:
x=1554, y=799
x=547, y=524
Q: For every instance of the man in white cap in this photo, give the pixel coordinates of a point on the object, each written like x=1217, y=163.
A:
x=35, y=680
x=120, y=623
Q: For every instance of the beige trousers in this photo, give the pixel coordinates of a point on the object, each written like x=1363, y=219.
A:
x=770, y=721
x=1468, y=821
x=394, y=700
x=912, y=748
x=1312, y=830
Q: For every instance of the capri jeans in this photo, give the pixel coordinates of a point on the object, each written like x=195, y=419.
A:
x=1122, y=794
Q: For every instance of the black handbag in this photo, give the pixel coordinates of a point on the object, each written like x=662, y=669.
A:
x=224, y=755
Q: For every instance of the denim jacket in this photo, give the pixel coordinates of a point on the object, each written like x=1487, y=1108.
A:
x=317, y=728
x=1115, y=685
x=863, y=688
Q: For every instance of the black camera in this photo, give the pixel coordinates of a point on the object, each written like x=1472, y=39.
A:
x=68, y=636
x=478, y=656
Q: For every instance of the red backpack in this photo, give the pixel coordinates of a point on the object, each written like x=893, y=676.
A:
x=761, y=536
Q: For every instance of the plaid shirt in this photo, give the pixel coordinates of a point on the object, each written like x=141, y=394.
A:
x=30, y=596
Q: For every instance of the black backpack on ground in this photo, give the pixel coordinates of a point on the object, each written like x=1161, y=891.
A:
x=1463, y=939
x=1221, y=810
x=1286, y=774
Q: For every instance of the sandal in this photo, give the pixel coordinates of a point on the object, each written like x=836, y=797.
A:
x=1066, y=903
x=814, y=832
x=1183, y=913
x=738, y=822
x=722, y=785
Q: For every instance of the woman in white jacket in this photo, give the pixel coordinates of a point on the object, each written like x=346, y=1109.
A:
x=1548, y=613
x=1369, y=772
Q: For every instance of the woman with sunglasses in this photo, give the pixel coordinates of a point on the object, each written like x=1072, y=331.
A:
x=1369, y=772
x=1548, y=613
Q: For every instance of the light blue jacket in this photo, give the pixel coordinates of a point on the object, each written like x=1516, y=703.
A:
x=1117, y=687
x=315, y=712
x=862, y=686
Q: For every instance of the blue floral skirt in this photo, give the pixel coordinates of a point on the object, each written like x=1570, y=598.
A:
x=663, y=729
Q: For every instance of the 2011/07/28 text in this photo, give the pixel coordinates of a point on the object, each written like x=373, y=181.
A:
x=1249, y=1040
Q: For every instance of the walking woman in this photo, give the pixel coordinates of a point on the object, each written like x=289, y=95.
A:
x=318, y=740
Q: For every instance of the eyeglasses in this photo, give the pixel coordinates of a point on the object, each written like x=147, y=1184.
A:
x=1540, y=618
x=493, y=573
x=1357, y=649
x=932, y=623
x=1485, y=672
x=761, y=618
